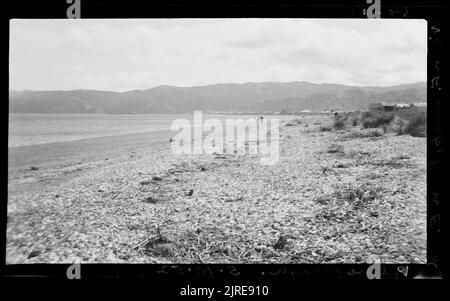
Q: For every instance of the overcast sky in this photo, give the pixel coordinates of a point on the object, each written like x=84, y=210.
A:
x=120, y=55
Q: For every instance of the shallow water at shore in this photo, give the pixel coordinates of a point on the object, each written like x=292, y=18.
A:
x=49, y=144
x=35, y=129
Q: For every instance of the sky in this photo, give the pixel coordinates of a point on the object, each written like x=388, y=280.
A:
x=131, y=54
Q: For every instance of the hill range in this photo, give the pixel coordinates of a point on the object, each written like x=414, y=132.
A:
x=267, y=97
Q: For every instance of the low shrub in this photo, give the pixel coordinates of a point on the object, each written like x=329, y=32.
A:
x=417, y=126
x=338, y=124
x=365, y=192
x=370, y=120
x=362, y=134
x=335, y=148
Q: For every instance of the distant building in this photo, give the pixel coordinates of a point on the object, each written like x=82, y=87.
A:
x=403, y=105
x=381, y=106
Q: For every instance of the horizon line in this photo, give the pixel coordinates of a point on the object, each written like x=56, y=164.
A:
x=216, y=84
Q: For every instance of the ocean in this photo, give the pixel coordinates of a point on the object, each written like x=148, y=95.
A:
x=33, y=129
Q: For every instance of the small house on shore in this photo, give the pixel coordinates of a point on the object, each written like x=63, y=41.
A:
x=383, y=107
x=403, y=105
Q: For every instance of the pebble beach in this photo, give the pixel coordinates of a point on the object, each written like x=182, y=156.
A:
x=346, y=196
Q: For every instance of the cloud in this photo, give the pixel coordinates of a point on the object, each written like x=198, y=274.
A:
x=132, y=54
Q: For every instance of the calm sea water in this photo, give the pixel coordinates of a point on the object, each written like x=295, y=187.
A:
x=31, y=129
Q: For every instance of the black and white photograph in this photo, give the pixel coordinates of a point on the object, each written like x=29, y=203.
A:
x=217, y=141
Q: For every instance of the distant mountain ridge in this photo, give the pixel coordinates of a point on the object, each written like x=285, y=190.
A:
x=233, y=98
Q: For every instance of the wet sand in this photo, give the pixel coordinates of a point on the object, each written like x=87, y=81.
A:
x=60, y=154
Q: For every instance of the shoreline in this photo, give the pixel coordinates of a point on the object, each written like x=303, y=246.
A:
x=85, y=138
x=90, y=149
